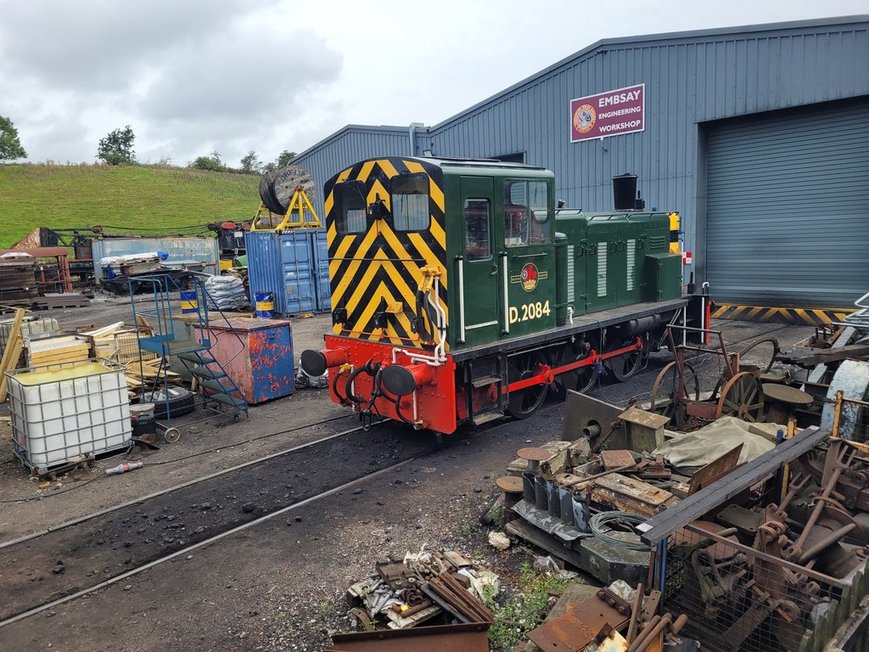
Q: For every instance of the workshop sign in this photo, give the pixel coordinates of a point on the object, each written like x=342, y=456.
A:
x=612, y=113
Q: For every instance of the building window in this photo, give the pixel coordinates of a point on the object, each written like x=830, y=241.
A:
x=477, y=229
x=410, y=211
x=526, y=213
x=350, y=207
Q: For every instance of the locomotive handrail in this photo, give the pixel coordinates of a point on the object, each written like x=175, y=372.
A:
x=542, y=253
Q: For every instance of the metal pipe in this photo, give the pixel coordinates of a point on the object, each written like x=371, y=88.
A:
x=820, y=502
x=647, y=630
x=653, y=634
x=825, y=543
x=837, y=413
x=591, y=430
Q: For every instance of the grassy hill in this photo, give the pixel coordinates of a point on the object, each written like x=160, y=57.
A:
x=141, y=197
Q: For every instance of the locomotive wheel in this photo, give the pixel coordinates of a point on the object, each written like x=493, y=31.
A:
x=559, y=386
x=741, y=397
x=583, y=379
x=663, y=398
x=628, y=364
x=525, y=402
x=764, y=351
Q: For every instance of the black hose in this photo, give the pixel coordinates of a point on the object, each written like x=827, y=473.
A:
x=341, y=398
x=348, y=385
x=368, y=368
x=395, y=401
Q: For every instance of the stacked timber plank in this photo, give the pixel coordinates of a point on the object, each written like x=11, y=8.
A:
x=11, y=352
x=149, y=373
x=54, y=351
x=120, y=343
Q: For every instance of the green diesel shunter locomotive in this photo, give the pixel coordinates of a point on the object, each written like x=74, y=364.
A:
x=461, y=293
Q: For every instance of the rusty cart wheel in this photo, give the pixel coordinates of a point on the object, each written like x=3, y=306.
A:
x=666, y=398
x=525, y=402
x=741, y=396
x=764, y=351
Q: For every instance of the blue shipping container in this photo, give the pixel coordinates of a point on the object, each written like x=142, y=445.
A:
x=321, y=259
x=286, y=264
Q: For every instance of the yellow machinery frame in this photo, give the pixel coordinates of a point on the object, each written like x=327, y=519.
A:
x=300, y=215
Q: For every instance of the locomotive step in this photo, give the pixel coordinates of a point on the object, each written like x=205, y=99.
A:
x=486, y=417
x=486, y=380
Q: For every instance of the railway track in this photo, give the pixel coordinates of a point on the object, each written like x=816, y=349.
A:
x=45, y=569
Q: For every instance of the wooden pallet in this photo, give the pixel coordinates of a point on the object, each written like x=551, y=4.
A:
x=54, y=301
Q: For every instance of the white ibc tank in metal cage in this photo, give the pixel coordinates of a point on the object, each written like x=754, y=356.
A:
x=65, y=413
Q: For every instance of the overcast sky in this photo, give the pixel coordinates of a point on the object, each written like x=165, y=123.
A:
x=194, y=76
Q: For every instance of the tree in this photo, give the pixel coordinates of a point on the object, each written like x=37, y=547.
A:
x=212, y=163
x=10, y=146
x=285, y=158
x=117, y=147
x=250, y=164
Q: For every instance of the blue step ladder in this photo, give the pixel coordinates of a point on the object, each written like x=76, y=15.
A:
x=168, y=334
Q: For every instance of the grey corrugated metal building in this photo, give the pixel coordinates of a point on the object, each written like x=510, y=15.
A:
x=758, y=136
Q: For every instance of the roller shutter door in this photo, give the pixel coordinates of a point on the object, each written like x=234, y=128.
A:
x=787, y=219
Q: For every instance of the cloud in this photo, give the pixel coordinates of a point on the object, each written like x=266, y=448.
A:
x=192, y=76
x=99, y=44
x=189, y=76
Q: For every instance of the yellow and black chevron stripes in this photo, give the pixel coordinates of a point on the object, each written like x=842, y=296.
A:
x=375, y=275
x=810, y=316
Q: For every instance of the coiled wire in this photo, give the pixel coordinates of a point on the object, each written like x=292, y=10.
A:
x=613, y=520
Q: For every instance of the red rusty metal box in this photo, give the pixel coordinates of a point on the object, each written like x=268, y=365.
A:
x=256, y=353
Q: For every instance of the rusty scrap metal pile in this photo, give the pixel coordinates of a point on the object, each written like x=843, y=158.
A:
x=423, y=587
x=770, y=564
x=772, y=526
x=582, y=502
x=609, y=621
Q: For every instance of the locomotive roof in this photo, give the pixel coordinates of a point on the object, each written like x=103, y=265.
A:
x=476, y=164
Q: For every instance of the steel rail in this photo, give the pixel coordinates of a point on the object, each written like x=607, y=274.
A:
x=195, y=546
x=188, y=483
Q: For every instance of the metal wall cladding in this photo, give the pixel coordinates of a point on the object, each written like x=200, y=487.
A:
x=690, y=78
x=181, y=249
x=257, y=354
x=788, y=207
x=291, y=265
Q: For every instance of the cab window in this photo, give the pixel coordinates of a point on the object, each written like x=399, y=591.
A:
x=350, y=207
x=409, y=202
x=526, y=213
x=477, y=228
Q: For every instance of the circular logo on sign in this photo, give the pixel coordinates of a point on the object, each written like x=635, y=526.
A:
x=584, y=118
x=529, y=277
